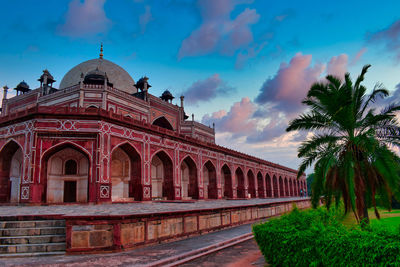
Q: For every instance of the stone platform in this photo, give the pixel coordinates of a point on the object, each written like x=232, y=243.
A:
x=117, y=227
x=139, y=208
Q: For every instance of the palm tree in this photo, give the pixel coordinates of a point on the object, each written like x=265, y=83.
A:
x=351, y=144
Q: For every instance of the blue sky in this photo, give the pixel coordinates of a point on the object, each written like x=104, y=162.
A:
x=242, y=64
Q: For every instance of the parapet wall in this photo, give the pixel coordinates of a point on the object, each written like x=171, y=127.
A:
x=88, y=234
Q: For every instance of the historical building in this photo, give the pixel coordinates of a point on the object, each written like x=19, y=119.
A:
x=101, y=137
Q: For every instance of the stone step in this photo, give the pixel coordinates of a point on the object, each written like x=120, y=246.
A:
x=34, y=254
x=32, y=224
x=32, y=231
x=31, y=248
x=14, y=240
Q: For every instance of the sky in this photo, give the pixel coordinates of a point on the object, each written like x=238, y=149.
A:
x=244, y=65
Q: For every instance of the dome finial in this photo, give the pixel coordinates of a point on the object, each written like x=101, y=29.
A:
x=101, y=51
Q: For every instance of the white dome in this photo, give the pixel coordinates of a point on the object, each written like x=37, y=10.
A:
x=116, y=75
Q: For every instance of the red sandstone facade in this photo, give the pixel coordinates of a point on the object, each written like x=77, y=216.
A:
x=93, y=142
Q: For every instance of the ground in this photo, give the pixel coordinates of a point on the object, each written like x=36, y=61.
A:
x=240, y=255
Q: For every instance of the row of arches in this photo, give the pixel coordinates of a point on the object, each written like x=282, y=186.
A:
x=66, y=171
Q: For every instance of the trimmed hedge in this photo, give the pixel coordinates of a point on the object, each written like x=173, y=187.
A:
x=317, y=238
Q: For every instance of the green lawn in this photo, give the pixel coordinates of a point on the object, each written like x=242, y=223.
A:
x=390, y=219
x=390, y=222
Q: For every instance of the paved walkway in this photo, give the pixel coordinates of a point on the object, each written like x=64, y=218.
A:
x=136, y=257
x=132, y=208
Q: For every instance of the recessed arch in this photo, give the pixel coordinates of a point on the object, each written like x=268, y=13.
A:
x=92, y=108
x=11, y=162
x=59, y=187
x=251, y=184
x=189, y=182
x=260, y=185
x=268, y=185
x=126, y=172
x=290, y=187
x=162, y=183
x=275, y=183
x=210, y=180
x=286, y=187
x=226, y=182
x=163, y=122
x=240, y=183
x=281, y=187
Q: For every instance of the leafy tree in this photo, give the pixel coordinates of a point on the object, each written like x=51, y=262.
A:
x=351, y=144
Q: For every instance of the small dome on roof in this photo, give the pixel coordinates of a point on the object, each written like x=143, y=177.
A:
x=50, y=78
x=23, y=84
x=166, y=95
x=96, y=77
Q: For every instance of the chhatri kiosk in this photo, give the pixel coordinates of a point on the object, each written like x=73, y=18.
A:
x=102, y=137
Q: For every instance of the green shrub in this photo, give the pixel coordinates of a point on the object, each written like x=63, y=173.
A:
x=317, y=238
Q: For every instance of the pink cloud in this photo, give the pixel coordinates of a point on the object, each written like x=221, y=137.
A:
x=218, y=32
x=86, y=18
x=290, y=84
x=145, y=18
x=237, y=121
x=337, y=66
x=204, y=90
x=359, y=55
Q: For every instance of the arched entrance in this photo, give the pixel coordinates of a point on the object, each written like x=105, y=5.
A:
x=281, y=188
x=286, y=188
x=11, y=162
x=240, y=185
x=190, y=189
x=163, y=123
x=276, y=186
x=252, y=184
x=210, y=181
x=226, y=181
x=125, y=172
x=260, y=183
x=66, y=175
x=290, y=187
x=268, y=185
x=162, y=183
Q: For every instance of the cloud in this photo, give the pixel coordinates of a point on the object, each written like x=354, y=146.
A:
x=145, y=18
x=218, y=32
x=243, y=56
x=358, y=56
x=389, y=38
x=204, y=90
x=337, y=66
x=290, y=84
x=238, y=120
x=85, y=19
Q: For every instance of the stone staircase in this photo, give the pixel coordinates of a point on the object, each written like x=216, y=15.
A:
x=32, y=238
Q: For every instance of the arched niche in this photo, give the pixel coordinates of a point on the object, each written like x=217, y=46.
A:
x=240, y=183
x=11, y=162
x=210, y=181
x=63, y=184
x=189, y=183
x=251, y=183
x=260, y=184
x=163, y=123
x=162, y=186
x=126, y=173
x=226, y=182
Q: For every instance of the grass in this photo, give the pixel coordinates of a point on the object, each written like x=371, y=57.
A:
x=388, y=218
x=391, y=222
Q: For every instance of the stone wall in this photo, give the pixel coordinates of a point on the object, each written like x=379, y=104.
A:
x=115, y=233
